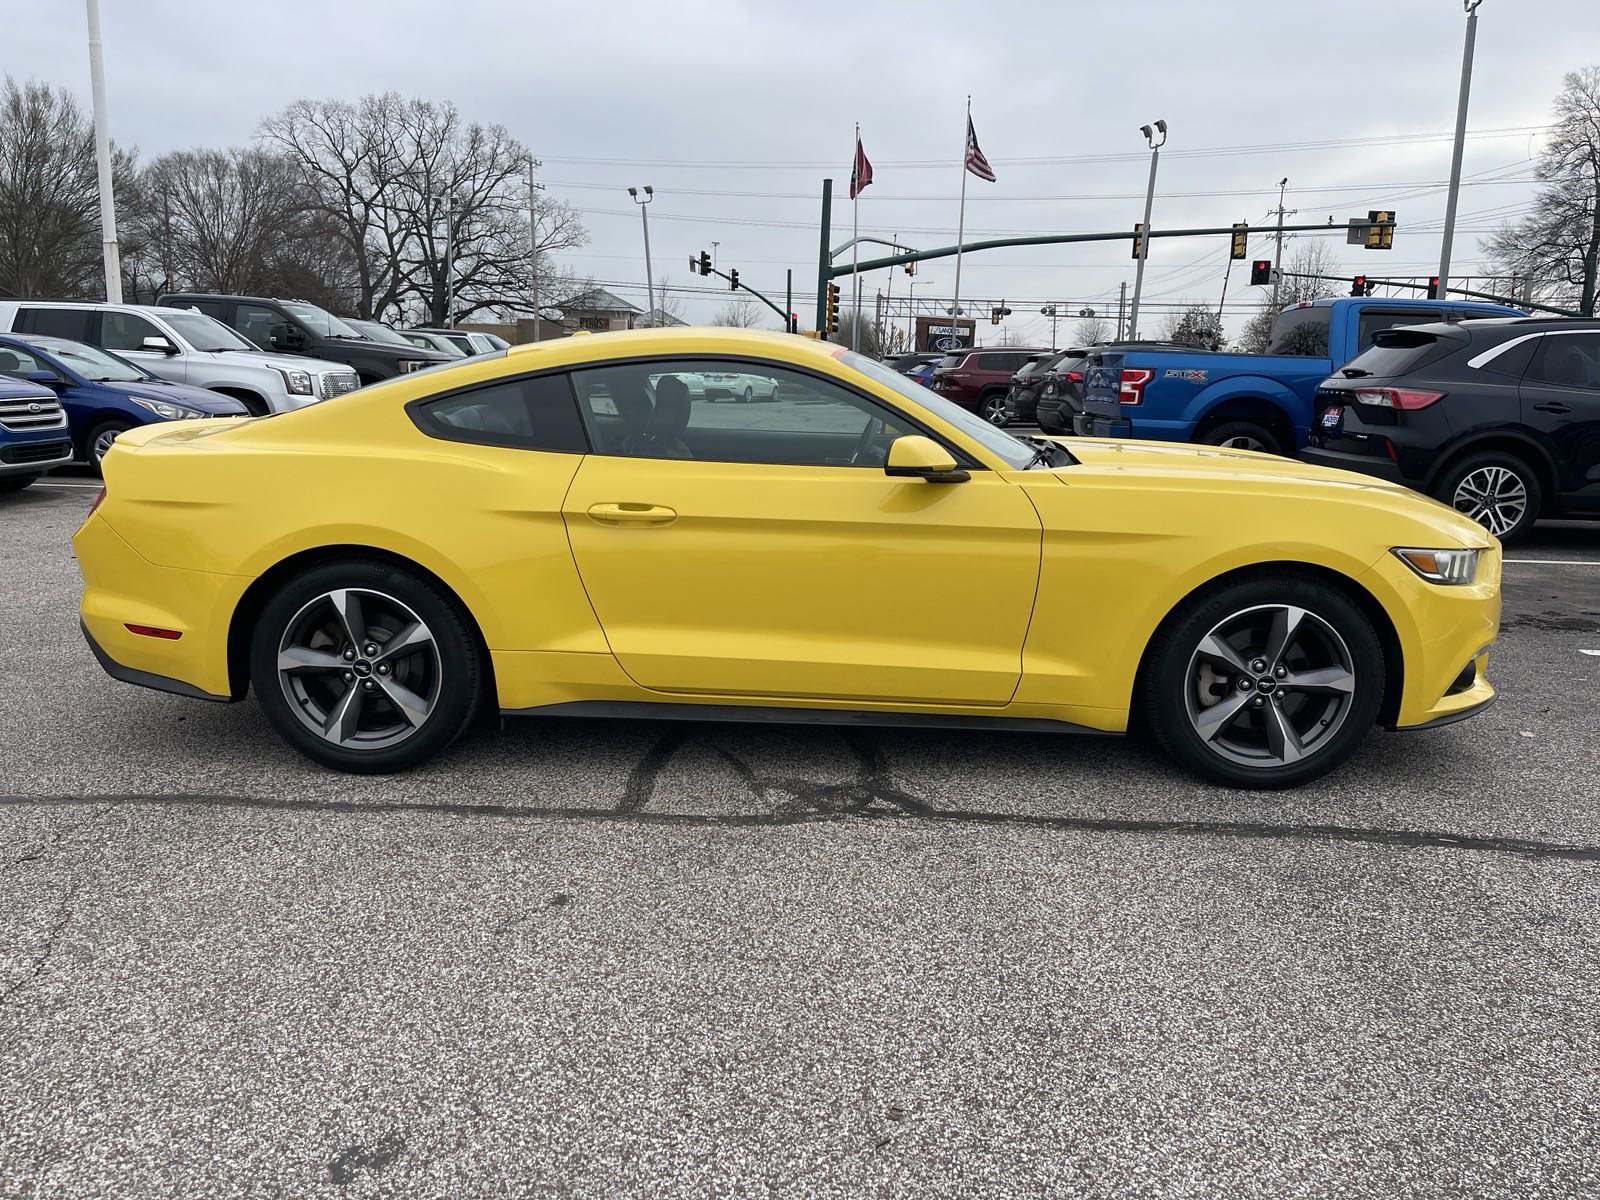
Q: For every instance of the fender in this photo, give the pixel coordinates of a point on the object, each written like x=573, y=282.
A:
x=1483, y=439
x=1295, y=409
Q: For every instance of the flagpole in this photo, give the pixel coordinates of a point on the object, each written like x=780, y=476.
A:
x=961, y=222
x=855, y=243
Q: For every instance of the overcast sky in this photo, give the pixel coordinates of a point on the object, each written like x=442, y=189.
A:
x=734, y=112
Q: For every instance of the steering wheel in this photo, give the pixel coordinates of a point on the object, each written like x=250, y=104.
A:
x=869, y=431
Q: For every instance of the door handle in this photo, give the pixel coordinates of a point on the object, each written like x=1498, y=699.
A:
x=626, y=513
x=1552, y=408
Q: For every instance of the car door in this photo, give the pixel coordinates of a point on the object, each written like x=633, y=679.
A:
x=1560, y=395
x=760, y=550
x=124, y=334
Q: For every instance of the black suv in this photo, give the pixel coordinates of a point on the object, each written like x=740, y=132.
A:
x=1500, y=419
x=296, y=327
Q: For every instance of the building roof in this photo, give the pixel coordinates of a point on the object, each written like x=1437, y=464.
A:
x=600, y=300
x=655, y=317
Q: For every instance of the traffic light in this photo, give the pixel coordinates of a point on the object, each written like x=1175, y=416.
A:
x=1433, y=287
x=830, y=322
x=794, y=322
x=911, y=267
x=703, y=265
x=1358, y=286
x=994, y=316
x=1260, y=272
x=733, y=280
x=1380, y=239
x=1138, y=239
x=1241, y=235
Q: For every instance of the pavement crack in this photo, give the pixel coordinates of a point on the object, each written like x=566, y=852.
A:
x=63, y=918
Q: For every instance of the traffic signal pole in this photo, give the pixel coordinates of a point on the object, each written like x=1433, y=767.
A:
x=824, y=262
x=1461, y=137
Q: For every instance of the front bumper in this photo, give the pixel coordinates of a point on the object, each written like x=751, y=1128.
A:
x=34, y=457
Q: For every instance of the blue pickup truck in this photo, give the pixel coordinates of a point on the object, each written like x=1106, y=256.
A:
x=1253, y=401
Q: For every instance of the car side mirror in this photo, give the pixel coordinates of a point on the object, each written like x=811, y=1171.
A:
x=916, y=457
x=46, y=378
x=158, y=344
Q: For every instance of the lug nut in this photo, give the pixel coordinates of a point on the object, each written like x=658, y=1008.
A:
x=1281, y=672
x=1260, y=664
x=383, y=668
x=368, y=684
x=349, y=675
x=1244, y=685
x=349, y=655
x=371, y=649
x=1257, y=702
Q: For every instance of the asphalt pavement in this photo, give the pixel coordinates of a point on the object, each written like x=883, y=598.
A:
x=582, y=958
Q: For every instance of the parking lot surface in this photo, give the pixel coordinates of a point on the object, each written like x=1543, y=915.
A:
x=633, y=958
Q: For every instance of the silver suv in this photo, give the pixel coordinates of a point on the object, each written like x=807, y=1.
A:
x=186, y=347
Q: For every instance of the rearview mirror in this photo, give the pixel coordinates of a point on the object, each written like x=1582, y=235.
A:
x=918, y=457
x=158, y=344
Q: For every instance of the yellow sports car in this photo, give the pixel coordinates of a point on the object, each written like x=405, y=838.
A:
x=569, y=528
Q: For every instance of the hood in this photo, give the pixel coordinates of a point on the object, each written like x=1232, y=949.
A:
x=283, y=362
x=1216, y=468
x=199, y=399
x=21, y=389
x=398, y=354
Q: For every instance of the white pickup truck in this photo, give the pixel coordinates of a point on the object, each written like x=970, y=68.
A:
x=186, y=347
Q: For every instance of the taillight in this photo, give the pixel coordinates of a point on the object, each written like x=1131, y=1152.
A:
x=1405, y=399
x=1075, y=376
x=98, y=501
x=1130, y=384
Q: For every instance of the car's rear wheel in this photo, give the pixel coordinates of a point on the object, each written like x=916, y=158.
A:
x=97, y=443
x=1498, y=490
x=1265, y=683
x=365, y=667
x=1243, y=435
x=992, y=408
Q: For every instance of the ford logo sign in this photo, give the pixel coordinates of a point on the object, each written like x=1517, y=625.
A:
x=35, y=407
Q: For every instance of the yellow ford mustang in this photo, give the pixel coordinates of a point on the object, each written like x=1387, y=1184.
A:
x=596, y=526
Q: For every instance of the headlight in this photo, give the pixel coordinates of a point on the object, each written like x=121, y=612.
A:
x=297, y=382
x=1452, y=567
x=168, y=412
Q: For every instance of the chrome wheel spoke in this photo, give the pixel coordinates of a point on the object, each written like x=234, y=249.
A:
x=347, y=604
x=1220, y=715
x=300, y=660
x=1282, y=738
x=414, y=636
x=1324, y=679
x=1285, y=625
x=1214, y=649
x=346, y=715
x=410, y=705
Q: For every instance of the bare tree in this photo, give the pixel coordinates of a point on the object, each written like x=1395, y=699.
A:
x=49, y=194
x=743, y=314
x=1091, y=331
x=870, y=344
x=1555, y=250
x=1195, y=325
x=1300, y=283
x=669, y=308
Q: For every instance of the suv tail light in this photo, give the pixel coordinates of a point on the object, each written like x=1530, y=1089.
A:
x=1130, y=384
x=1075, y=376
x=1405, y=399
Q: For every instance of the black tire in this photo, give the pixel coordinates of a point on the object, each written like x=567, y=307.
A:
x=1461, y=488
x=87, y=451
x=992, y=408
x=15, y=483
x=452, y=680
x=749, y=394
x=253, y=404
x=1175, y=691
x=1243, y=435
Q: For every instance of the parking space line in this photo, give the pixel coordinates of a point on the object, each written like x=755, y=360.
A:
x=1548, y=562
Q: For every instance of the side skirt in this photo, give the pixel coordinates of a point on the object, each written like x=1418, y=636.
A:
x=645, y=710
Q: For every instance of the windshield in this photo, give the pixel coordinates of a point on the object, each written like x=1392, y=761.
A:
x=1301, y=332
x=203, y=332
x=92, y=362
x=1014, y=452
x=320, y=321
x=378, y=332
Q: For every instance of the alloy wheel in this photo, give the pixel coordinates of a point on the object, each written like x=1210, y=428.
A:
x=102, y=444
x=994, y=410
x=1243, y=442
x=1495, y=497
x=359, y=669
x=1269, y=686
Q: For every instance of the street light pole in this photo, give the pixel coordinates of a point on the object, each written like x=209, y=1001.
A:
x=1277, y=257
x=649, y=278
x=1149, y=202
x=534, y=188
x=1461, y=137
x=102, y=159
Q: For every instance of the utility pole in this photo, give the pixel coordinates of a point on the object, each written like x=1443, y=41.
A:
x=1144, y=241
x=1122, y=305
x=534, y=188
x=1461, y=137
x=788, y=301
x=714, y=246
x=1277, y=259
x=102, y=159
x=649, y=278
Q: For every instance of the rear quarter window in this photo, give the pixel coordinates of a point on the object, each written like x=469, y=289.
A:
x=72, y=323
x=1401, y=351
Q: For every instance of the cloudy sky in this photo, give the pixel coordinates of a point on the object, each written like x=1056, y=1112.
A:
x=735, y=111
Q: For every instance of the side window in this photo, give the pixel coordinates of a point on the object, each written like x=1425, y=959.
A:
x=16, y=361
x=1375, y=320
x=1567, y=360
x=524, y=414
x=257, y=323
x=732, y=411
x=56, y=322
x=125, y=331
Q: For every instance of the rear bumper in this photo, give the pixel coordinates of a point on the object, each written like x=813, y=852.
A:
x=159, y=683
x=1365, y=464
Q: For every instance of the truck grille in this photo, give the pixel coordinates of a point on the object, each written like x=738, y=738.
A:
x=35, y=452
x=339, y=383
x=21, y=415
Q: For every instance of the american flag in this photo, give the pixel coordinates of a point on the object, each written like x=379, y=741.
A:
x=976, y=162
x=860, y=170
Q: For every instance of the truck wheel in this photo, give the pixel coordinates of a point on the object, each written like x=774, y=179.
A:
x=1496, y=489
x=1243, y=435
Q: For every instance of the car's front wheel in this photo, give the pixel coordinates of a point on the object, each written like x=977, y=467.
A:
x=98, y=442
x=365, y=667
x=1265, y=683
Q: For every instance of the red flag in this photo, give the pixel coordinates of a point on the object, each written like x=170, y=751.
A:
x=976, y=162
x=860, y=170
